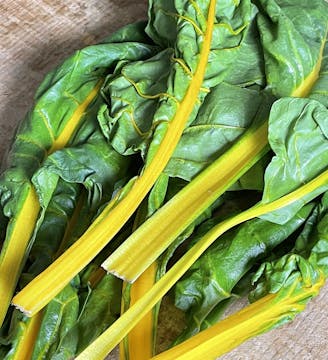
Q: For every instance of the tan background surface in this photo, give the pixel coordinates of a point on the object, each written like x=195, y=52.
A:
x=35, y=36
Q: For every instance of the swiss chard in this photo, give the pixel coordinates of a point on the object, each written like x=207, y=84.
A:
x=160, y=127
x=192, y=73
x=62, y=104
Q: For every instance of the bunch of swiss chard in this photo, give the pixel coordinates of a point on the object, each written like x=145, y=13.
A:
x=184, y=157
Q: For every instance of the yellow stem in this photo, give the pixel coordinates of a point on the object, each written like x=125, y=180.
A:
x=19, y=231
x=70, y=127
x=146, y=243
x=21, y=227
x=30, y=333
x=49, y=283
x=116, y=332
x=251, y=321
x=141, y=337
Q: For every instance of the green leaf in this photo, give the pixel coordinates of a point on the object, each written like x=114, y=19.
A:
x=291, y=44
x=101, y=309
x=133, y=95
x=248, y=66
x=227, y=112
x=298, y=133
x=213, y=276
x=59, y=317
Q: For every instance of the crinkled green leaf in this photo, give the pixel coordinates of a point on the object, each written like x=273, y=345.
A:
x=213, y=276
x=292, y=33
x=93, y=163
x=319, y=91
x=232, y=19
x=227, y=112
x=133, y=97
x=298, y=131
x=248, y=66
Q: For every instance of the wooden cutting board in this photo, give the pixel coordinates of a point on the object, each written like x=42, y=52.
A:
x=37, y=35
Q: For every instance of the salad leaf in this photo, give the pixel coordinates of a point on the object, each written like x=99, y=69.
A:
x=61, y=105
x=292, y=46
x=298, y=135
x=173, y=118
x=213, y=276
x=227, y=112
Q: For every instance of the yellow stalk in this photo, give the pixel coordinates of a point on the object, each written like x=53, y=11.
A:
x=154, y=236
x=251, y=321
x=20, y=229
x=49, y=283
x=30, y=333
x=115, y=333
x=140, y=340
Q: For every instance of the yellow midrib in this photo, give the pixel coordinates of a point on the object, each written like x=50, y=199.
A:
x=25, y=347
x=146, y=243
x=141, y=337
x=70, y=127
x=121, y=327
x=305, y=88
x=14, y=252
x=44, y=287
x=241, y=326
x=23, y=226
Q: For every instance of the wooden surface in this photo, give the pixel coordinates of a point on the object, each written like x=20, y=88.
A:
x=37, y=35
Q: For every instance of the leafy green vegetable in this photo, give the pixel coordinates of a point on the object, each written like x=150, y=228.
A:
x=62, y=104
x=170, y=118
x=293, y=35
x=227, y=112
x=212, y=278
x=298, y=136
x=163, y=138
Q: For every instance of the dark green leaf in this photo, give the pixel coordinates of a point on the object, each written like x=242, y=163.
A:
x=213, y=276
